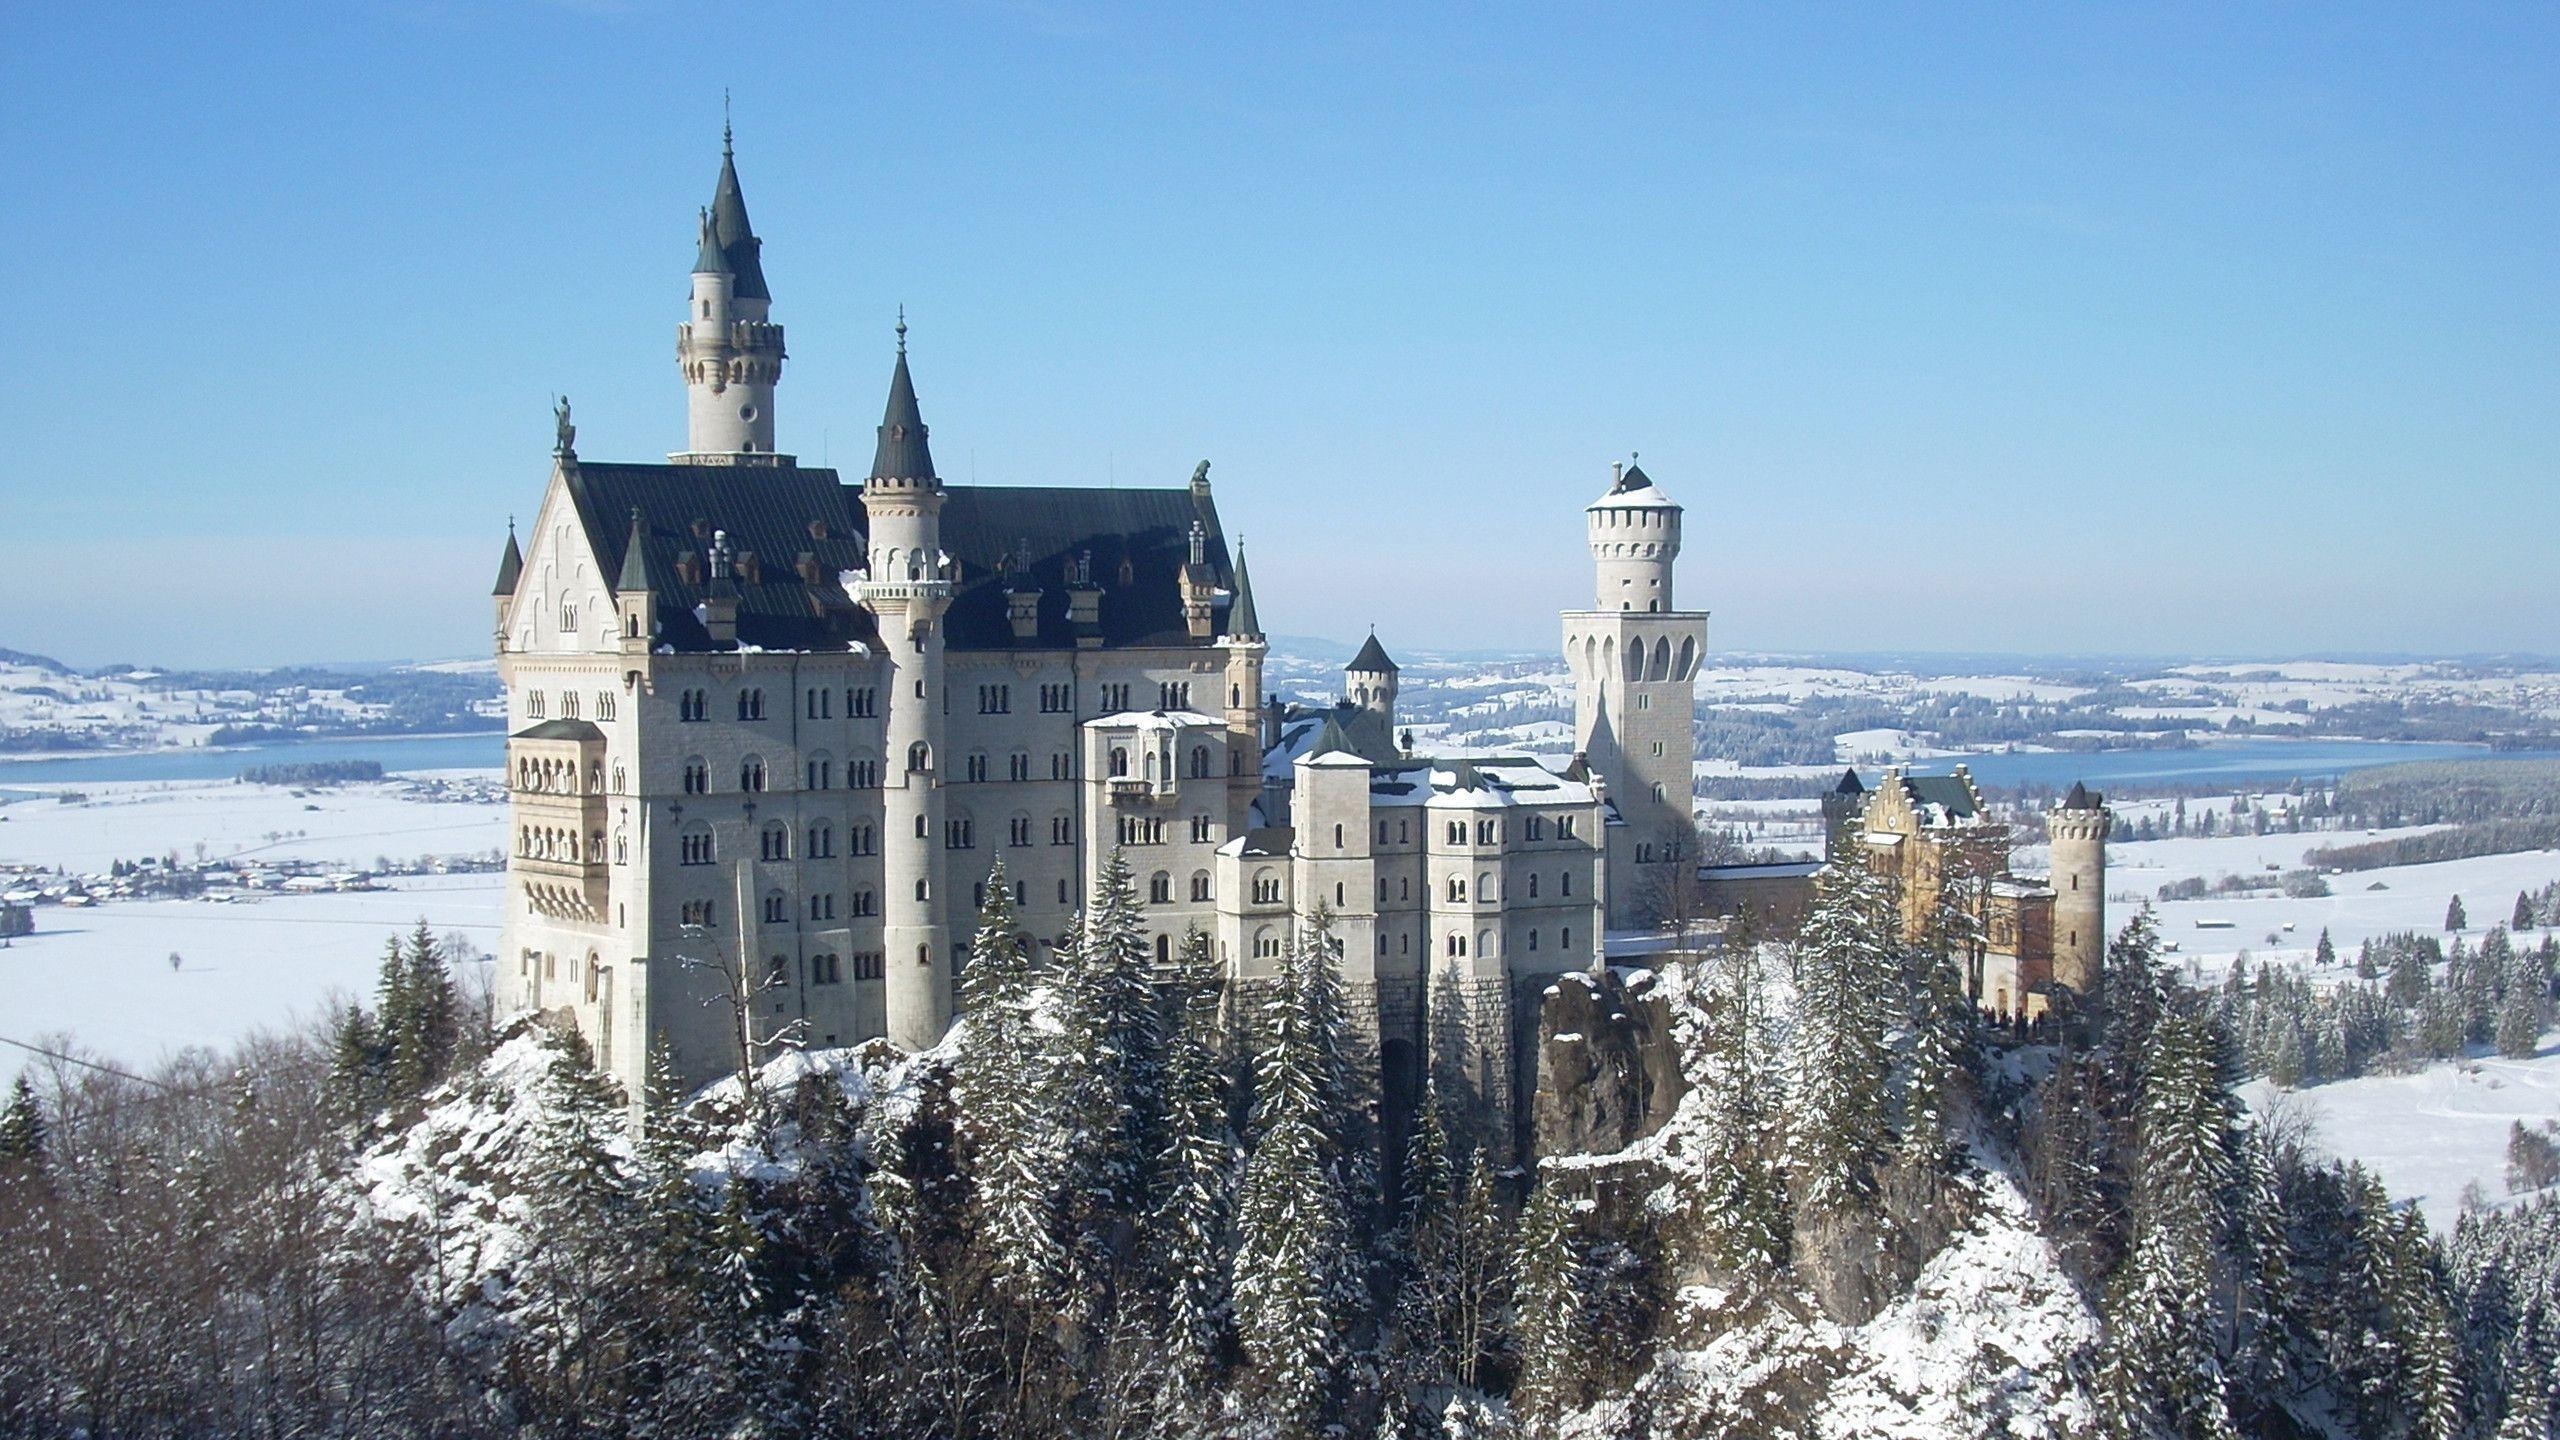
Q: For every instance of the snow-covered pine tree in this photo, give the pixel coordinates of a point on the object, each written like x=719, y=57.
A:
x=1294, y=1267
x=359, y=1084
x=22, y=1131
x=2454, y=919
x=1846, y=961
x=423, y=1041
x=1003, y=1081
x=2524, y=1004
x=2161, y=1371
x=1733, y=1057
x=1187, y=1231
x=2324, y=954
x=1548, y=1292
x=1109, y=1075
x=1454, y=1252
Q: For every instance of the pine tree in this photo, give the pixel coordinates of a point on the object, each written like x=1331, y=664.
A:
x=2454, y=919
x=1741, y=1196
x=359, y=1064
x=2524, y=1007
x=2325, y=954
x=2522, y=920
x=1004, y=1082
x=23, y=1132
x=2160, y=1371
x=418, y=1026
x=1294, y=1272
x=1842, y=1062
x=1449, y=1301
x=1187, y=1229
x=1549, y=1289
x=1109, y=1096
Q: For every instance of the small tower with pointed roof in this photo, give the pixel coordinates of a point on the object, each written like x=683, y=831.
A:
x=510, y=572
x=1369, y=681
x=908, y=587
x=1246, y=651
x=729, y=350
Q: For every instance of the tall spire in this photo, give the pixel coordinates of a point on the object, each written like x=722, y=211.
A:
x=903, y=454
x=635, y=556
x=709, y=260
x=1241, y=621
x=737, y=238
x=510, y=565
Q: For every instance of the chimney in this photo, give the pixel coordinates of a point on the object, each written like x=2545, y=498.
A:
x=1022, y=607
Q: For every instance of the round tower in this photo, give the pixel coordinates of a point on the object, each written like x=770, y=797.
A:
x=728, y=349
x=908, y=589
x=2079, y=828
x=1369, y=681
x=1635, y=536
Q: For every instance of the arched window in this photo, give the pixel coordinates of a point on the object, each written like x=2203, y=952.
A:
x=1160, y=889
x=751, y=774
x=820, y=771
x=1533, y=884
x=924, y=890
x=1199, y=762
x=1564, y=884
x=1484, y=888
x=774, y=842
x=1119, y=761
x=1484, y=943
x=1266, y=887
x=1199, y=884
x=919, y=757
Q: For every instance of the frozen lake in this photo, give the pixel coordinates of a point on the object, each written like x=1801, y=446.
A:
x=2263, y=762
x=399, y=753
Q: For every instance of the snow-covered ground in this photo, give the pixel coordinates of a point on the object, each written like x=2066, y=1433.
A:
x=102, y=977
x=2432, y=1134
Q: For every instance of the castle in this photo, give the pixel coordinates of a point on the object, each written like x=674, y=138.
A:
x=770, y=729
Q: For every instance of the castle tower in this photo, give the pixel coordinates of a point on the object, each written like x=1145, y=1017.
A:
x=1369, y=681
x=728, y=349
x=1333, y=869
x=908, y=588
x=2079, y=827
x=1246, y=649
x=1635, y=663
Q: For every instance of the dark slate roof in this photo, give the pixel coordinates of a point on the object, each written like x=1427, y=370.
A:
x=2082, y=798
x=775, y=513
x=1268, y=841
x=903, y=454
x=582, y=730
x=510, y=566
x=1240, y=617
x=707, y=259
x=635, y=556
x=1633, y=478
x=1302, y=729
x=1948, y=792
x=738, y=243
x=1002, y=537
x=1849, y=783
x=1331, y=739
x=1372, y=656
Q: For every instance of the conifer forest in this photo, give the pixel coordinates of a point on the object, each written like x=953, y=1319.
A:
x=1125, y=1199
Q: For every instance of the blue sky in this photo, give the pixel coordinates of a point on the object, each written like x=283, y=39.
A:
x=2216, y=328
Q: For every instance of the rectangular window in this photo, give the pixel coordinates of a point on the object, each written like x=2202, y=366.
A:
x=1173, y=695
x=1115, y=698
x=1057, y=699
x=1199, y=829
x=859, y=703
x=959, y=835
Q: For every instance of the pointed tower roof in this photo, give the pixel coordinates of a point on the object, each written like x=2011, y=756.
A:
x=1331, y=741
x=1849, y=783
x=738, y=242
x=1372, y=656
x=1240, y=617
x=1632, y=478
x=903, y=454
x=635, y=557
x=708, y=260
x=510, y=565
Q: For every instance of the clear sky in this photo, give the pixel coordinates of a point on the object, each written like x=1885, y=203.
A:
x=2121, y=328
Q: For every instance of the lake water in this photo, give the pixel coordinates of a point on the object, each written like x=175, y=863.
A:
x=396, y=752
x=2254, y=761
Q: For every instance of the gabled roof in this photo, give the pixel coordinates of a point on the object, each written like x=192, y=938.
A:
x=510, y=566
x=1632, y=478
x=1849, y=783
x=1948, y=792
x=1302, y=729
x=738, y=243
x=1373, y=657
x=2083, y=798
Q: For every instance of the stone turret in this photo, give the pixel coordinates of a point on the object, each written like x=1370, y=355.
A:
x=728, y=349
x=2079, y=827
x=1369, y=681
x=1635, y=537
x=908, y=589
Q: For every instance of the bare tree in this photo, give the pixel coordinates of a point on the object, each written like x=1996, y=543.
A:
x=740, y=987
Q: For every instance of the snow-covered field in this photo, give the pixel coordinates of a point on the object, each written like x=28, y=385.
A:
x=101, y=976
x=2431, y=1134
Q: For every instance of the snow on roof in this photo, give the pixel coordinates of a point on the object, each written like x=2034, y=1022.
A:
x=1155, y=720
x=1482, y=782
